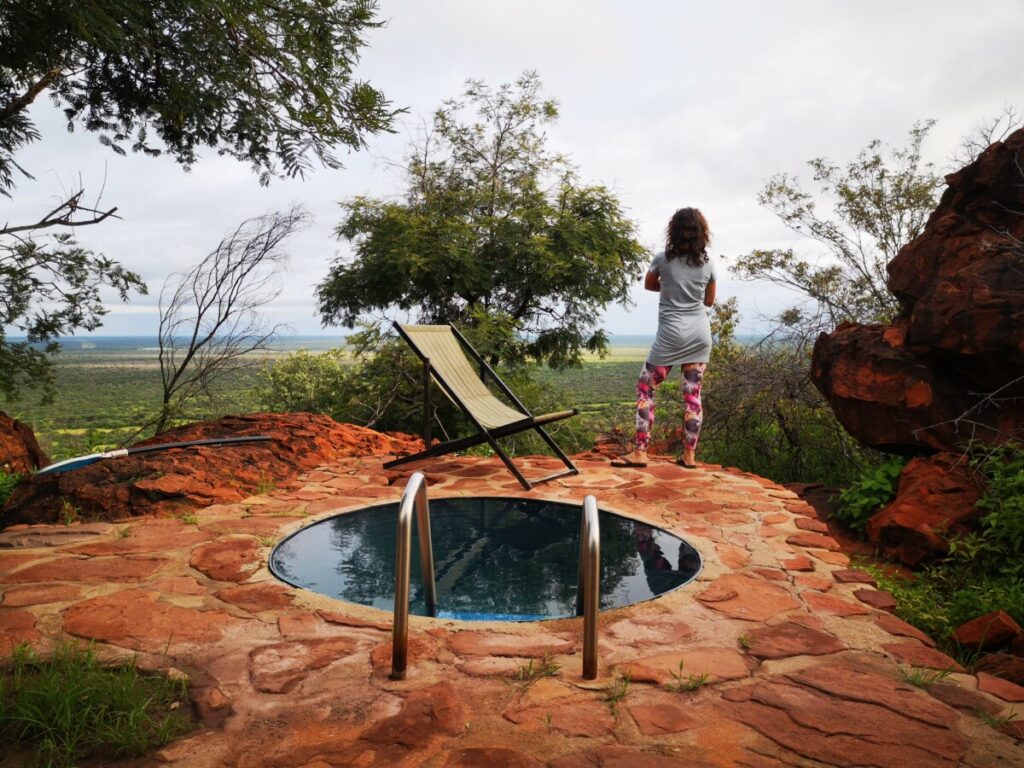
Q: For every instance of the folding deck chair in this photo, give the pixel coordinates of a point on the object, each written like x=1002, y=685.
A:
x=443, y=352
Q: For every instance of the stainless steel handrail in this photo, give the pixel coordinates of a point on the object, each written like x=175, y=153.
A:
x=414, y=496
x=588, y=600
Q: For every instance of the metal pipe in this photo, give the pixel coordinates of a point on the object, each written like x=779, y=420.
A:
x=414, y=496
x=589, y=594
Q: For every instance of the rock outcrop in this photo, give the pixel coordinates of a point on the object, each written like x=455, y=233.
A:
x=935, y=500
x=180, y=479
x=918, y=385
x=950, y=369
x=19, y=451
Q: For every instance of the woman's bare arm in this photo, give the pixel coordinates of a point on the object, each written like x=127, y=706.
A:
x=652, y=282
x=709, y=295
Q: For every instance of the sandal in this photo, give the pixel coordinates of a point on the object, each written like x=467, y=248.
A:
x=682, y=463
x=623, y=462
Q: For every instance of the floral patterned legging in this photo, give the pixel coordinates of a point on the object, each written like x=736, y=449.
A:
x=650, y=377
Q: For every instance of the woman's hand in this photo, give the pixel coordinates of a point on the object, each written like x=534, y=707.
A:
x=652, y=282
x=709, y=295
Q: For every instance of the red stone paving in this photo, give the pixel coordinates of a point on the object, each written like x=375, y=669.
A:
x=802, y=666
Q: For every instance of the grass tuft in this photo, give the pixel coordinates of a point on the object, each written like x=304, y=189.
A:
x=527, y=674
x=923, y=677
x=69, y=706
x=616, y=691
x=687, y=684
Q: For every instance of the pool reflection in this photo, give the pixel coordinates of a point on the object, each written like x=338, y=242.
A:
x=513, y=558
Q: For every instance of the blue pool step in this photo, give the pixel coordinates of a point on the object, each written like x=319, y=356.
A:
x=473, y=616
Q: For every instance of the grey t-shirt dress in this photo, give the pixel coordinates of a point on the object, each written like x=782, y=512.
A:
x=684, y=328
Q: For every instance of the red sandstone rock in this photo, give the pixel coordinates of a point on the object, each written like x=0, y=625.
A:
x=344, y=619
x=12, y=561
x=1005, y=665
x=227, y=559
x=421, y=647
x=20, y=454
x=615, y=756
x=959, y=332
x=1004, y=689
x=90, y=569
x=471, y=643
x=426, y=714
x=491, y=757
x=743, y=597
x=876, y=598
x=139, y=619
x=16, y=627
x=853, y=576
x=962, y=698
x=935, y=498
x=150, y=536
x=919, y=655
x=990, y=631
x=797, y=563
x=574, y=718
x=280, y=667
x=816, y=601
x=895, y=626
x=666, y=716
x=827, y=556
x=843, y=716
x=265, y=596
x=790, y=639
x=1014, y=729
x=810, y=524
x=814, y=540
x=809, y=580
x=168, y=481
x=39, y=594
x=717, y=663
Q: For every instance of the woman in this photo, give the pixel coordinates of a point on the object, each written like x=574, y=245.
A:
x=684, y=276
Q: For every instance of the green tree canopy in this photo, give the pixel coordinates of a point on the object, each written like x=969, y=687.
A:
x=880, y=202
x=494, y=231
x=268, y=83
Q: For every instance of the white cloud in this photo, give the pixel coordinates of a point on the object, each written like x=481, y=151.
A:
x=668, y=103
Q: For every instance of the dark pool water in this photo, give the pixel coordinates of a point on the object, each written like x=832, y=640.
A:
x=495, y=559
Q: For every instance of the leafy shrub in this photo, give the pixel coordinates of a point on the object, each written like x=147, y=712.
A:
x=305, y=381
x=874, y=489
x=70, y=706
x=983, y=570
x=1001, y=538
x=8, y=481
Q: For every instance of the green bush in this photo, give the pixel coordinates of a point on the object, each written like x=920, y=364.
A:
x=874, y=489
x=70, y=707
x=983, y=570
x=8, y=481
x=305, y=381
x=1000, y=542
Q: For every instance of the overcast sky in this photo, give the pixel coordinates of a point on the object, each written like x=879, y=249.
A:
x=667, y=103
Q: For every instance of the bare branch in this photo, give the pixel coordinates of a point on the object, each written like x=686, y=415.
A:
x=210, y=316
x=64, y=215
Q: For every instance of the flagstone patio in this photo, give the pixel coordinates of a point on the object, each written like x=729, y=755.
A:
x=802, y=661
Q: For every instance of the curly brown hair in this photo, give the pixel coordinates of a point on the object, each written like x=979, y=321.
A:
x=688, y=235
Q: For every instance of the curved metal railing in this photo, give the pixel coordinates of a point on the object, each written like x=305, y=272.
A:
x=414, y=497
x=588, y=598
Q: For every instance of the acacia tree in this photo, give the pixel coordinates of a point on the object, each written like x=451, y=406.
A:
x=494, y=232
x=268, y=83
x=210, y=317
x=985, y=134
x=880, y=202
